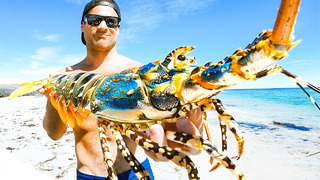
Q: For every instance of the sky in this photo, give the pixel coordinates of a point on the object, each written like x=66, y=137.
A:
x=38, y=37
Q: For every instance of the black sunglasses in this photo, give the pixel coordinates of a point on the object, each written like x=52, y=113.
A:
x=95, y=20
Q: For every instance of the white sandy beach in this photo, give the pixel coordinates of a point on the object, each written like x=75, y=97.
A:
x=26, y=152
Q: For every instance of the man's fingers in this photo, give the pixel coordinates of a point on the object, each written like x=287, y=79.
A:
x=157, y=135
x=190, y=125
x=195, y=116
x=169, y=126
x=44, y=92
x=186, y=126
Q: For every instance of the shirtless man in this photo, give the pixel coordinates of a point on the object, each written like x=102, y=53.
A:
x=100, y=38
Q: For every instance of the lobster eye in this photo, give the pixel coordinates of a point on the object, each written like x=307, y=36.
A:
x=181, y=57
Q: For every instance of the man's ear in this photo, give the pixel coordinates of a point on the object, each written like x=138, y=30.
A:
x=81, y=28
x=118, y=29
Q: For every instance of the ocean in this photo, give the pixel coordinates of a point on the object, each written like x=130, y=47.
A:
x=260, y=108
x=7, y=89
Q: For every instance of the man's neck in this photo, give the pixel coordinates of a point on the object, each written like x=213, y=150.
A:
x=96, y=58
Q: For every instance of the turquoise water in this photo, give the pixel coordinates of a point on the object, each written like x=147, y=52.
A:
x=289, y=107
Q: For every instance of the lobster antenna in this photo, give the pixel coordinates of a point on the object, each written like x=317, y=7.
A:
x=297, y=80
x=310, y=97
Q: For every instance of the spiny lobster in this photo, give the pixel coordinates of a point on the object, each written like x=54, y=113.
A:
x=135, y=99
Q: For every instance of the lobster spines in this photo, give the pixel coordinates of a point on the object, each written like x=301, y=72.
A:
x=267, y=48
x=232, y=70
x=177, y=59
x=242, y=65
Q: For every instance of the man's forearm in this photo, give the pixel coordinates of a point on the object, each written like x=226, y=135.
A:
x=52, y=123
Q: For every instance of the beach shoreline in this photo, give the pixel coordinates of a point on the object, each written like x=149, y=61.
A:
x=271, y=151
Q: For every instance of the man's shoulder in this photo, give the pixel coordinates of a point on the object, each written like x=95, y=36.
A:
x=130, y=62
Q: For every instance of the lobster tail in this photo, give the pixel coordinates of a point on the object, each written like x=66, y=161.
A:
x=70, y=95
x=28, y=87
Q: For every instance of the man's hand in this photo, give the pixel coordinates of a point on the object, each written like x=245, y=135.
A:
x=44, y=92
x=191, y=125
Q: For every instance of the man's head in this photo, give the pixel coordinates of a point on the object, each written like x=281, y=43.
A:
x=99, y=11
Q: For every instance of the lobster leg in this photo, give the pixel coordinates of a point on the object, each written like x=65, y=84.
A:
x=223, y=159
x=210, y=148
x=206, y=127
x=226, y=119
x=232, y=125
x=106, y=151
x=176, y=157
x=223, y=129
x=137, y=168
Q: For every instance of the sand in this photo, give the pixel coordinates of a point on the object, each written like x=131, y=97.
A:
x=26, y=152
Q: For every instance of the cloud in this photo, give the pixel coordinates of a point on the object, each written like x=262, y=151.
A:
x=80, y=2
x=53, y=38
x=11, y=81
x=53, y=55
x=42, y=54
x=140, y=17
x=182, y=7
x=143, y=16
x=296, y=62
x=27, y=74
x=34, y=64
x=46, y=71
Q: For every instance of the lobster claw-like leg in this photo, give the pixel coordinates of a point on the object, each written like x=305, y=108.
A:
x=106, y=151
x=225, y=120
x=178, y=158
x=209, y=147
x=135, y=165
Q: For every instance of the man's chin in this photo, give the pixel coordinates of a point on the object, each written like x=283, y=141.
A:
x=100, y=46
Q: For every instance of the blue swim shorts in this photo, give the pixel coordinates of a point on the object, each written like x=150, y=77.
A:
x=128, y=175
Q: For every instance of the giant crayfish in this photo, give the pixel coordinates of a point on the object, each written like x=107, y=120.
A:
x=137, y=98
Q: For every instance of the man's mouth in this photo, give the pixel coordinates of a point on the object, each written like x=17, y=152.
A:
x=102, y=35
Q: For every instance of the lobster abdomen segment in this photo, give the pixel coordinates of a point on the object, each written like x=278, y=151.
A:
x=120, y=92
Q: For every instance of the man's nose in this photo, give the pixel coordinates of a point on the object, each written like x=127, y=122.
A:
x=103, y=25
